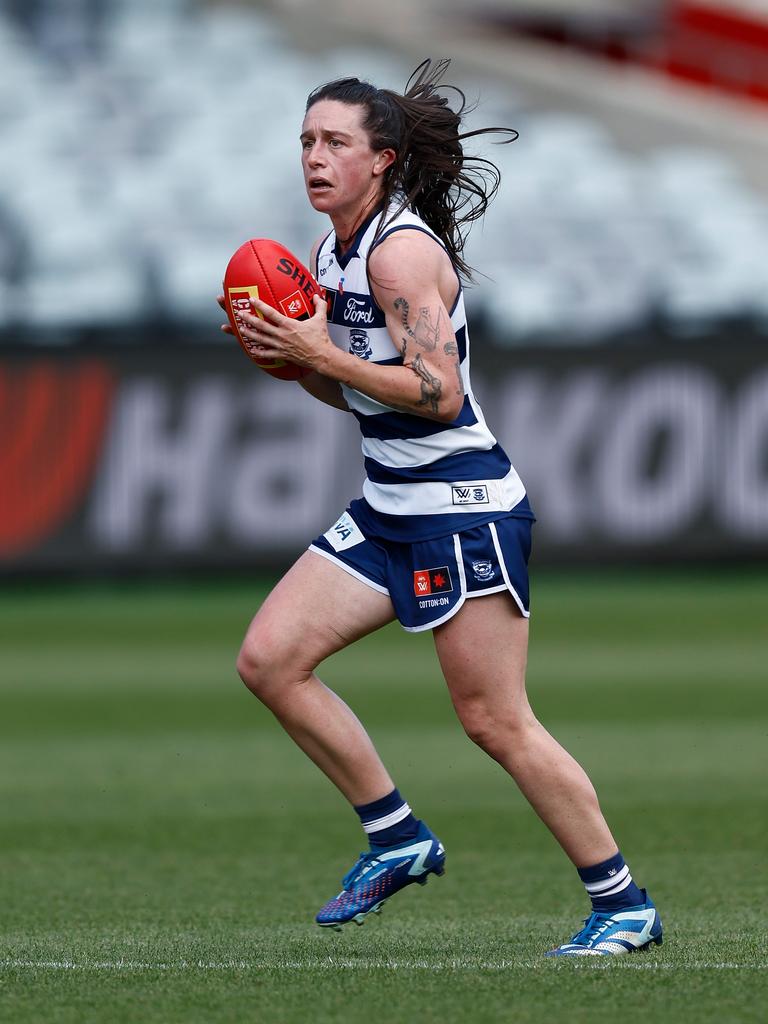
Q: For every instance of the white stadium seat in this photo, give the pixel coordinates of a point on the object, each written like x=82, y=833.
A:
x=176, y=138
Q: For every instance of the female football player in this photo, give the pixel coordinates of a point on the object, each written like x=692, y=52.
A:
x=440, y=537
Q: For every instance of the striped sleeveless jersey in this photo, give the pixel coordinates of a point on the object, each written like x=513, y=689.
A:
x=424, y=479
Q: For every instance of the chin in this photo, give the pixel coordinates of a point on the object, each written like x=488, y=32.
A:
x=316, y=202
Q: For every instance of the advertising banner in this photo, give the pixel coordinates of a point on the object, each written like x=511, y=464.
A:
x=168, y=457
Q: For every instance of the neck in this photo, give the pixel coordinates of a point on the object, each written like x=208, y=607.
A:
x=346, y=227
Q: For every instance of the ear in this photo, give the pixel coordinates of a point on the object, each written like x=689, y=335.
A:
x=384, y=158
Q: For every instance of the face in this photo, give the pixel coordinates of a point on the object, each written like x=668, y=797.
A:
x=341, y=171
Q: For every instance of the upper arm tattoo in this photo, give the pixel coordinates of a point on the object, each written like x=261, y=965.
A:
x=404, y=306
x=425, y=333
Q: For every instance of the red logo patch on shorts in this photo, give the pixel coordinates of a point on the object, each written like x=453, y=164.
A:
x=432, y=581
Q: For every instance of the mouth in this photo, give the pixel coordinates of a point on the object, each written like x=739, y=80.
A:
x=317, y=185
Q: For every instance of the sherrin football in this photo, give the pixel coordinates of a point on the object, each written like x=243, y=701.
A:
x=264, y=269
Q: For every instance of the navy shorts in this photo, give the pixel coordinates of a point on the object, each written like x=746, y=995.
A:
x=428, y=581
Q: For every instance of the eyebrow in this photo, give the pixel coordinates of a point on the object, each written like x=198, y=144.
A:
x=327, y=133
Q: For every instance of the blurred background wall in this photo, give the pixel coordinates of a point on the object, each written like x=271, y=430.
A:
x=619, y=318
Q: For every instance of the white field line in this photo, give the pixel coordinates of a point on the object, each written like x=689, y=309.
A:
x=339, y=963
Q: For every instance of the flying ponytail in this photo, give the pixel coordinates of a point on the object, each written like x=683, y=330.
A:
x=446, y=188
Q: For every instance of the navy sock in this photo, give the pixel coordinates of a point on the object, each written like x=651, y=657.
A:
x=388, y=821
x=610, y=886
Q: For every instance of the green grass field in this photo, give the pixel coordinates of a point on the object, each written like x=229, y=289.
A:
x=165, y=848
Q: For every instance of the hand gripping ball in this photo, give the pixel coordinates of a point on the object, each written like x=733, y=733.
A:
x=264, y=269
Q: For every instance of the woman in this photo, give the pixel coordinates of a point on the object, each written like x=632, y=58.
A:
x=444, y=517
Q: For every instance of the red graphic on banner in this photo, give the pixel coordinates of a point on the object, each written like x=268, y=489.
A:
x=421, y=584
x=52, y=424
x=431, y=581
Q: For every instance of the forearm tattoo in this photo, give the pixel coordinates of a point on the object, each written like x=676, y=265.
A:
x=431, y=386
x=452, y=349
x=427, y=336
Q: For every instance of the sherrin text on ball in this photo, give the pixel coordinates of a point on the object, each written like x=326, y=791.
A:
x=264, y=269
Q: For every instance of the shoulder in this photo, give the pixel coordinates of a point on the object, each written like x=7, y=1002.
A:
x=316, y=246
x=408, y=253
x=412, y=262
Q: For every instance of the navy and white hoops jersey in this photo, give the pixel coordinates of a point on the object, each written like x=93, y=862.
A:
x=423, y=478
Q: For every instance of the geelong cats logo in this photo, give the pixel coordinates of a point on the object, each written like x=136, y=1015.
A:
x=359, y=344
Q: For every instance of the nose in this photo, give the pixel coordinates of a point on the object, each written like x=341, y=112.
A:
x=316, y=157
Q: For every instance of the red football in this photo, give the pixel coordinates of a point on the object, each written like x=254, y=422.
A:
x=266, y=270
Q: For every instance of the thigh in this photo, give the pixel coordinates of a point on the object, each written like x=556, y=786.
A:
x=483, y=652
x=316, y=609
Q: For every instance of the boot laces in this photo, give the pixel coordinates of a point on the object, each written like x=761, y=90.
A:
x=365, y=862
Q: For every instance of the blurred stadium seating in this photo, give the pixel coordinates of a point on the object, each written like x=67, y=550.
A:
x=143, y=141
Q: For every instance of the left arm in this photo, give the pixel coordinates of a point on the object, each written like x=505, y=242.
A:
x=414, y=282
x=411, y=277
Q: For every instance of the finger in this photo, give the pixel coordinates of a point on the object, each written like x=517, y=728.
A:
x=250, y=337
x=221, y=302
x=321, y=306
x=257, y=341
x=255, y=323
x=269, y=313
x=261, y=352
x=227, y=329
x=248, y=319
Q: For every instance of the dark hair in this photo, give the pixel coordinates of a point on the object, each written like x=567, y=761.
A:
x=447, y=189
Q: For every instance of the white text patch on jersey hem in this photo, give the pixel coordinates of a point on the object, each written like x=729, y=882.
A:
x=431, y=497
x=470, y=494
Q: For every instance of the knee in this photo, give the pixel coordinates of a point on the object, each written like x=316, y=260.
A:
x=493, y=732
x=263, y=664
x=480, y=727
x=252, y=666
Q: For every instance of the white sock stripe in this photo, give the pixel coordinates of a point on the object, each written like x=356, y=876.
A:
x=389, y=819
x=595, y=888
x=618, y=888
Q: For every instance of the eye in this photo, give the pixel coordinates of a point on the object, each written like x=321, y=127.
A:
x=335, y=143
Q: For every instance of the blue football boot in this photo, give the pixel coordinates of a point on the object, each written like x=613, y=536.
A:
x=613, y=933
x=381, y=873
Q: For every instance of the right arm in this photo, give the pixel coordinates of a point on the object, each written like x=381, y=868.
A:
x=324, y=389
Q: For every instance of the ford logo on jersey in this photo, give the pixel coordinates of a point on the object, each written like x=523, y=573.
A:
x=355, y=310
